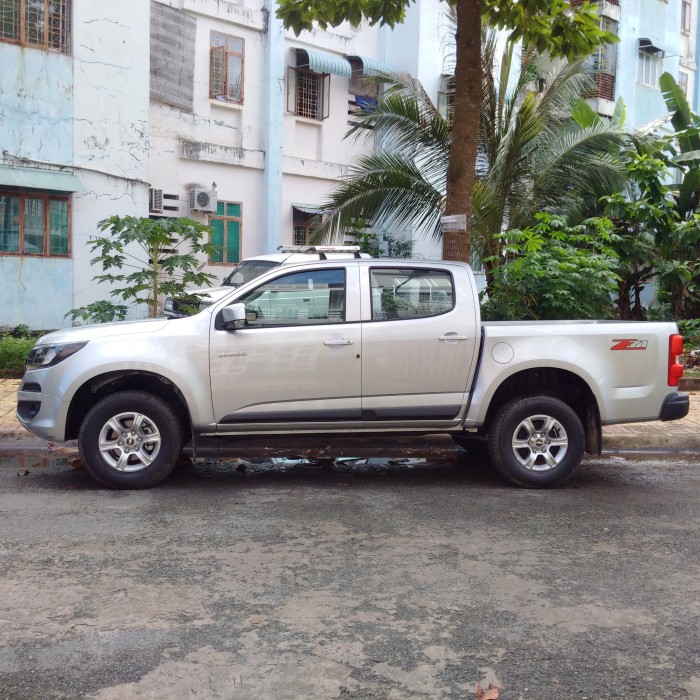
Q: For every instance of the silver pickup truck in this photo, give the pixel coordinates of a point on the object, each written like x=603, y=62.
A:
x=352, y=346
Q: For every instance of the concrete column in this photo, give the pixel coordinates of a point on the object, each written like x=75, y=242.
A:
x=272, y=132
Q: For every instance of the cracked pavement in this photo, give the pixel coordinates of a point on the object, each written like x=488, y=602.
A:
x=406, y=579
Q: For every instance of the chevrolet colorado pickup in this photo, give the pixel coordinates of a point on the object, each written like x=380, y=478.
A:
x=348, y=346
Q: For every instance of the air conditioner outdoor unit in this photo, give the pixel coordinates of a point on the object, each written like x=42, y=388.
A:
x=155, y=200
x=202, y=200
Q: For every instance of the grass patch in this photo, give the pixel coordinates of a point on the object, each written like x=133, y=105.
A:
x=13, y=352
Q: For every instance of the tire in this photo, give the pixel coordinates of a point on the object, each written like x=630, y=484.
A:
x=130, y=440
x=536, y=441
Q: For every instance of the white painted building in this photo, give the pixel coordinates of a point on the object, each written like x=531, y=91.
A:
x=265, y=140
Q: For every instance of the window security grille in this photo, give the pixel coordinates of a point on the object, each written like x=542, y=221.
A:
x=308, y=93
x=42, y=24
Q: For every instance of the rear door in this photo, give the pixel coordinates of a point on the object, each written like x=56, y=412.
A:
x=417, y=348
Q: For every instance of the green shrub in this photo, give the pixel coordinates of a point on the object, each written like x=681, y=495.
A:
x=690, y=330
x=21, y=331
x=13, y=352
x=554, y=271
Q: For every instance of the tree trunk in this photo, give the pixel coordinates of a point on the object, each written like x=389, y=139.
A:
x=623, y=300
x=465, y=126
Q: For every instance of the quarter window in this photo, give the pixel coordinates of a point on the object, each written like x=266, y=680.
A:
x=42, y=24
x=226, y=233
x=298, y=299
x=410, y=293
x=226, y=67
x=34, y=225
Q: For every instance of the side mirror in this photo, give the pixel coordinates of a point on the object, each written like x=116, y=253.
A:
x=234, y=317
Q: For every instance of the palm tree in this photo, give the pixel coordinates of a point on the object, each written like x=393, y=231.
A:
x=541, y=148
x=403, y=181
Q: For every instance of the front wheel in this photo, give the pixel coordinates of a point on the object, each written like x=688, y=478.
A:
x=130, y=440
x=536, y=441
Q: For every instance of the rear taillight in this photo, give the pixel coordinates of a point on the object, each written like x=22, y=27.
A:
x=675, y=367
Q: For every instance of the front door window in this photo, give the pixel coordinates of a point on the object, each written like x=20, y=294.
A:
x=299, y=299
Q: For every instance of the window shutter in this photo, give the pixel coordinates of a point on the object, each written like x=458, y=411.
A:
x=233, y=241
x=291, y=90
x=326, y=95
x=217, y=70
x=217, y=239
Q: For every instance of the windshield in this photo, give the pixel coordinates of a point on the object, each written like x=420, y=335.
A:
x=246, y=271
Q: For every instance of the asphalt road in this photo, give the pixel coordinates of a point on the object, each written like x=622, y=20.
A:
x=353, y=580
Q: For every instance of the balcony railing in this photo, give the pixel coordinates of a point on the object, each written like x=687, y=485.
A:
x=604, y=86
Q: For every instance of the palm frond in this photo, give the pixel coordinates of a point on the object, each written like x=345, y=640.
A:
x=382, y=189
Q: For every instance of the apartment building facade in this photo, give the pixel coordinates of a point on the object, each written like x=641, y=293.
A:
x=200, y=108
x=655, y=36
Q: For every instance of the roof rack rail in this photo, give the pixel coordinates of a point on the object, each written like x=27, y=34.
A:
x=322, y=250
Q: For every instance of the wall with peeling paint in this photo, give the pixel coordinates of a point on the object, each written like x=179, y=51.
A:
x=36, y=103
x=111, y=114
x=88, y=111
x=36, y=114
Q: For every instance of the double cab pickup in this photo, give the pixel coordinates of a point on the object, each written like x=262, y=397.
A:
x=355, y=346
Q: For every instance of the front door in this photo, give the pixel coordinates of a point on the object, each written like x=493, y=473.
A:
x=297, y=359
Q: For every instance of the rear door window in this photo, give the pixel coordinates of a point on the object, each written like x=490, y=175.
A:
x=402, y=293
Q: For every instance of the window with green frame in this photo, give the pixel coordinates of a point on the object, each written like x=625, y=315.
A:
x=34, y=224
x=226, y=233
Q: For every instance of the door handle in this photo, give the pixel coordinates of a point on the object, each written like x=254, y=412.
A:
x=338, y=341
x=448, y=337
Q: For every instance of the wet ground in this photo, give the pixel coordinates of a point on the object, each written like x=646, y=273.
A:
x=409, y=577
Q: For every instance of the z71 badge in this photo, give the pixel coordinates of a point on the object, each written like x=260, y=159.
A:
x=629, y=344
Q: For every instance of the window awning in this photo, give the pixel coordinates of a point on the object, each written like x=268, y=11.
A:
x=323, y=62
x=308, y=209
x=647, y=46
x=370, y=67
x=36, y=179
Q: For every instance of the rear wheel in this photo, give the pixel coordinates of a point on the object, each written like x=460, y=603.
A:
x=130, y=440
x=536, y=441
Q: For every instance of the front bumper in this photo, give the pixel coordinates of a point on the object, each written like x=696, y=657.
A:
x=38, y=411
x=675, y=406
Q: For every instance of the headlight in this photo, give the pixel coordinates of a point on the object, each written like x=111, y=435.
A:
x=50, y=355
x=169, y=304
